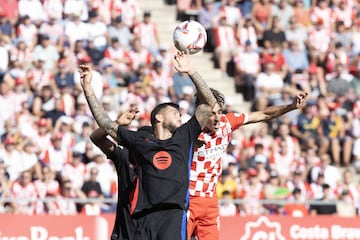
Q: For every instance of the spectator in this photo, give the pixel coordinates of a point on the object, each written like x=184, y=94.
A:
x=340, y=142
x=284, y=11
x=296, y=60
x=268, y=84
x=65, y=204
x=227, y=207
x=232, y=13
x=205, y=16
x=261, y=16
x=119, y=30
x=296, y=33
x=161, y=78
x=129, y=11
x=246, y=33
x=74, y=171
x=5, y=188
x=27, y=31
x=56, y=155
x=75, y=29
x=25, y=195
x=274, y=191
x=247, y=66
x=253, y=193
x=225, y=42
x=296, y=208
x=301, y=13
x=106, y=174
x=33, y=9
x=331, y=173
x=76, y=8
x=147, y=32
x=308, y=132
x=97, y=31
x=328, y=198
x=345, y=208
x=48, y=50
x=275, y=35
x=48, y=186
x=12, y=158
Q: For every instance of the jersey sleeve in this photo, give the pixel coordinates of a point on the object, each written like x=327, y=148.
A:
x=237, y=119
x=192, y=127
x=125, y=137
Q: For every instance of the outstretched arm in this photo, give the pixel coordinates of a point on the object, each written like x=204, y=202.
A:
x=100, y=116
x=276, y=111
x=208, y=101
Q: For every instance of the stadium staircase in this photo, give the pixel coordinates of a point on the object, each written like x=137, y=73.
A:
x=165, y=17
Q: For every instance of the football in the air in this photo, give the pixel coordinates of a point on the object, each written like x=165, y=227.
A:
x=189, y=35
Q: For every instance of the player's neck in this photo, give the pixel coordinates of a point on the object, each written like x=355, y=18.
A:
x=162, y=133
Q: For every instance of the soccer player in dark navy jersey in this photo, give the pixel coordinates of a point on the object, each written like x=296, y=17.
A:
x=161, y=196
x=124, y=226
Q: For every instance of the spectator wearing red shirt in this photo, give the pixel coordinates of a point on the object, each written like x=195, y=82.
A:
x=296, y=206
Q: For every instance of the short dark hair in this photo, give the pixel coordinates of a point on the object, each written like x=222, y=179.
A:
x=220, y=98
x=158, y=108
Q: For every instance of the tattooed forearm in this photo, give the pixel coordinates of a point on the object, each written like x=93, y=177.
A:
x=203, y=91
x=100, y=116
x=203, y=113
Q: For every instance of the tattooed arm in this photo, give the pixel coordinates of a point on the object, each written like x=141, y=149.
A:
x=99, y=113
x=204, y=109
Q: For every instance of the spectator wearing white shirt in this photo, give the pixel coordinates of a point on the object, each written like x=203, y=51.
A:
x=331, y=173
x=97, y=31
x=247, y=66
x=75, y=29
x=49, y=51
x=76, y=7
x=120, y=31
x=53, y=9
x=33, y=9
x=269, y=83
x=227, y=207
x=12, y=158
x=27, y=31
x=106, y=174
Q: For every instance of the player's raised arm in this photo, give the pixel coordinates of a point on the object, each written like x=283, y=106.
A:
x=276, y=111
x=204, y=109
x=100, y=116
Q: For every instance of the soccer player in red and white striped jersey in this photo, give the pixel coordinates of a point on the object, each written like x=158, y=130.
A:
x=206, y=168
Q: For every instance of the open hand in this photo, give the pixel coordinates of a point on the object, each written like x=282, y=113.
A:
x=183, y=63
x=85, y=74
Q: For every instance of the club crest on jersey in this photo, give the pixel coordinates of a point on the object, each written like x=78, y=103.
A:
x=162, y=160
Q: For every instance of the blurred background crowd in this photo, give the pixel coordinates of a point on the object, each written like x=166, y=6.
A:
x=270, y=49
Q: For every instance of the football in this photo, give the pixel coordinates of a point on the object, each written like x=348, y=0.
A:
x=189, y=35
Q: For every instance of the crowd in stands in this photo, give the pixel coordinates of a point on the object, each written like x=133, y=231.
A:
x=272, y=49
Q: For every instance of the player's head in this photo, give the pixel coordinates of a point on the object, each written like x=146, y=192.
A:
x=167, y=115
x=213, y=123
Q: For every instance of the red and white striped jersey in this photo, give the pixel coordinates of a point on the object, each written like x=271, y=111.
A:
x=206, y=164
x=320, y=40
x=147, y=34
x=26, y=197
x=225, y=37
x=137, y=58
